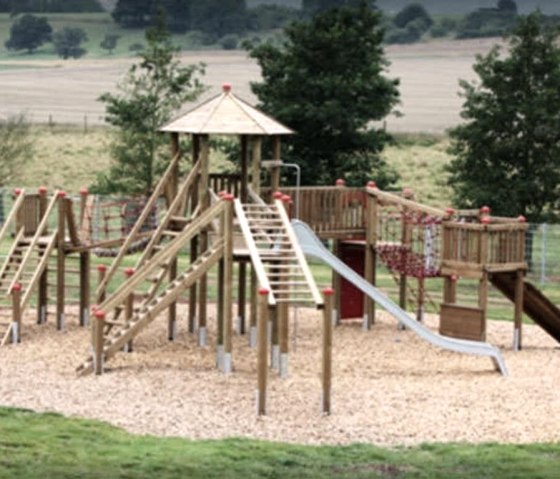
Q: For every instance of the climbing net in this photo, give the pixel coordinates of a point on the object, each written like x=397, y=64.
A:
x=409, y=242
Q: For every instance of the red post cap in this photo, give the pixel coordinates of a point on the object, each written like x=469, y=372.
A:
x=485, y=220
x=226, y=87
x=449, y=211
x=129, y=271
x=101, y=268
x=263, y=291
x=328, y=291
x=16, y=287
x=286, y=198
x=485, y=210
x=42, y=190
x=277, y=195
x=222, y=193
x=340, y=182
x=521, y=219
x=228, y=197
x=454, y=277
x=84, y=191
x=99, y=314
x=371, y=184
x=17, y=191
x=61, y=194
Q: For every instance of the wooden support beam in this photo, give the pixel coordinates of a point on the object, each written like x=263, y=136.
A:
x=60, y=261
x=227, y=233
x=16, y=313
x=256, y=156
x=254, y=306
x=43, y=288
x=518, y=310
x=262, y=354
x=326, y=375
x=242, y=296
x=372, y=208
x=85, y=261
x=98, y=325
x=275, y=170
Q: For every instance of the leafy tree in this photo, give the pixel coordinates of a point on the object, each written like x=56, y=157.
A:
x=68, y=41
x=152, y=91
x=49, y=6
x=109, y=42
x=219, y=17
x=412, y=13
x=507, y=6
x=314, y=7
x=327, y=83
x=489, y=22
x=133, y=13
x=16, y=147
x=28, y=33
x=507, y=153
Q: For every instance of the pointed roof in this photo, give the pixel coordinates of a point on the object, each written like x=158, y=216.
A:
x=226, y=114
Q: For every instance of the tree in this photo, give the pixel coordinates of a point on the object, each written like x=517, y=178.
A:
x=507, y=6
x=219, y=17
x=16, y=147
x=314, y=7
x=507, y=153
x=327, y=83
x=151, y=92
x=109, y=42
x=133, y=13
x=68, y=41
x=28, y=33
x=412, y=13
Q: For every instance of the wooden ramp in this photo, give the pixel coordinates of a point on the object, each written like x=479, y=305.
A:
x=25, y=262
x=150, y=282
x=279, y=262
x=535, y=304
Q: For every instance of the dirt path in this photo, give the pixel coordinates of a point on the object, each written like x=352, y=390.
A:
x=389, y=387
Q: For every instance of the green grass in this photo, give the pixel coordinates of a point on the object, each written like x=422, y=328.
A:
x=51, y=446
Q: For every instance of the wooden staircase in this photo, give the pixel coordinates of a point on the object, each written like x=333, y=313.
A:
x=25, y=263
x=117, y=331
x=279, y=263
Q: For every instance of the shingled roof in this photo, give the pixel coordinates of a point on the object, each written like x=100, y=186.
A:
x=226, y=114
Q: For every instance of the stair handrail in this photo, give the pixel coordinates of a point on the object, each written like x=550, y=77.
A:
x=38, y=233
x=180, y=201
x=317, y=297
x=132, y=236
x=38, y=272
x=258, y=266
x=12, y=214
x=170, y=251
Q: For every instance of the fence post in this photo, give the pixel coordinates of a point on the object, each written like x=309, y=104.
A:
x=327, y=351
x=543, y=253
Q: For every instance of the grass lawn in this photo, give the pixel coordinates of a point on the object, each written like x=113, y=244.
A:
x=51, y=446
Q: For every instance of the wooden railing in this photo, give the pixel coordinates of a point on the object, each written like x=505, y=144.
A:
x=330, y=211
x=229, y=182
x=492, y=247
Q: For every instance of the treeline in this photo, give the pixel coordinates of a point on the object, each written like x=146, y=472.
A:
x=49, y=6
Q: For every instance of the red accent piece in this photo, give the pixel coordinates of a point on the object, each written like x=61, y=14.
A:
x=222, y=193
x=371, y=184
x=129, y=271
x=521, y=219
x=101, y=268
x=485, y=220
x=17, y=191
x=228, y=197
x=340, y=182
x=84, y=191
x=454, y=277
x=277, y=195
x=99, y=314
x=226, y=87
x=263, y=291
x=42, y=190
x=485, y=210
x=352, y=299
x=328, y=291
x=61, y=194
x=16, y=287
x=286, y=198
x=449, y=211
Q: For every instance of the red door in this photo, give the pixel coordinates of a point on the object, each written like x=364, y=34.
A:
x=351, y=298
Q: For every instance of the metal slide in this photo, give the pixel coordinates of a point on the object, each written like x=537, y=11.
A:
x=312, y=246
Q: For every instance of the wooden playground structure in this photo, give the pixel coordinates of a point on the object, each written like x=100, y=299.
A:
x=235, y=219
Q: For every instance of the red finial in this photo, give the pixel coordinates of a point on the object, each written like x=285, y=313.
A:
x=226, y=87
x=454, y=277
x=371, y=184
x=521, y=219
x=340, y=182
x=449, y=211
x=286, y=198
x=228, y=197
x=263, y=291
x=222, y=193
x=16, y=287
x=17, y=191
x=61, y=194
x=328, y=291
x=84, y=191
x=485, y=220
x=129, y=272
x=485, y=210
x=42, y=190
x=99, y=314
x=277, y=195
x=101, y=268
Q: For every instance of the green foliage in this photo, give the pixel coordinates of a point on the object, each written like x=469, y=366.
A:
x=327, y=84
x=314, y=7
x=488, y=22
x=508, y=149
x=50, y=6
x=268, y=17
x=109, y=42
x=409, y=25
x=16, y=148
x=229, y=42
x=219, y=17
x=152, y=91
x=29, y=32
x=67, y=42
x=412, y=13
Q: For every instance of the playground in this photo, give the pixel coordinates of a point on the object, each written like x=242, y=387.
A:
x=283, y=357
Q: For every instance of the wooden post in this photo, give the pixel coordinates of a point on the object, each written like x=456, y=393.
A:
x=256, y=154
x=275, y=170
x=241, y=296
x=101, y=271
x=228, y=282
x=204, y=202
x=43, y=286
x=129, y=307
x=60, y=266
x=84, y=287
x=98, y=326
x=171, y=194
x=194, y=245
x=220, y=313
x=16, y=313
x=483, y=283
x=254, y=306
x=450, y=289
x=262, y=354
x=421, y=297
x=405, y=240
x=327, y=351
x=370, y=259
x=83, y=202
x=518, y=314
x=336, y=281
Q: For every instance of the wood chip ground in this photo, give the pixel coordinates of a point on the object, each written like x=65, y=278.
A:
x=389, y=387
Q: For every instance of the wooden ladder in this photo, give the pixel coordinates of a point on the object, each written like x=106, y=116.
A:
x=119, y=329
x=279, y=262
